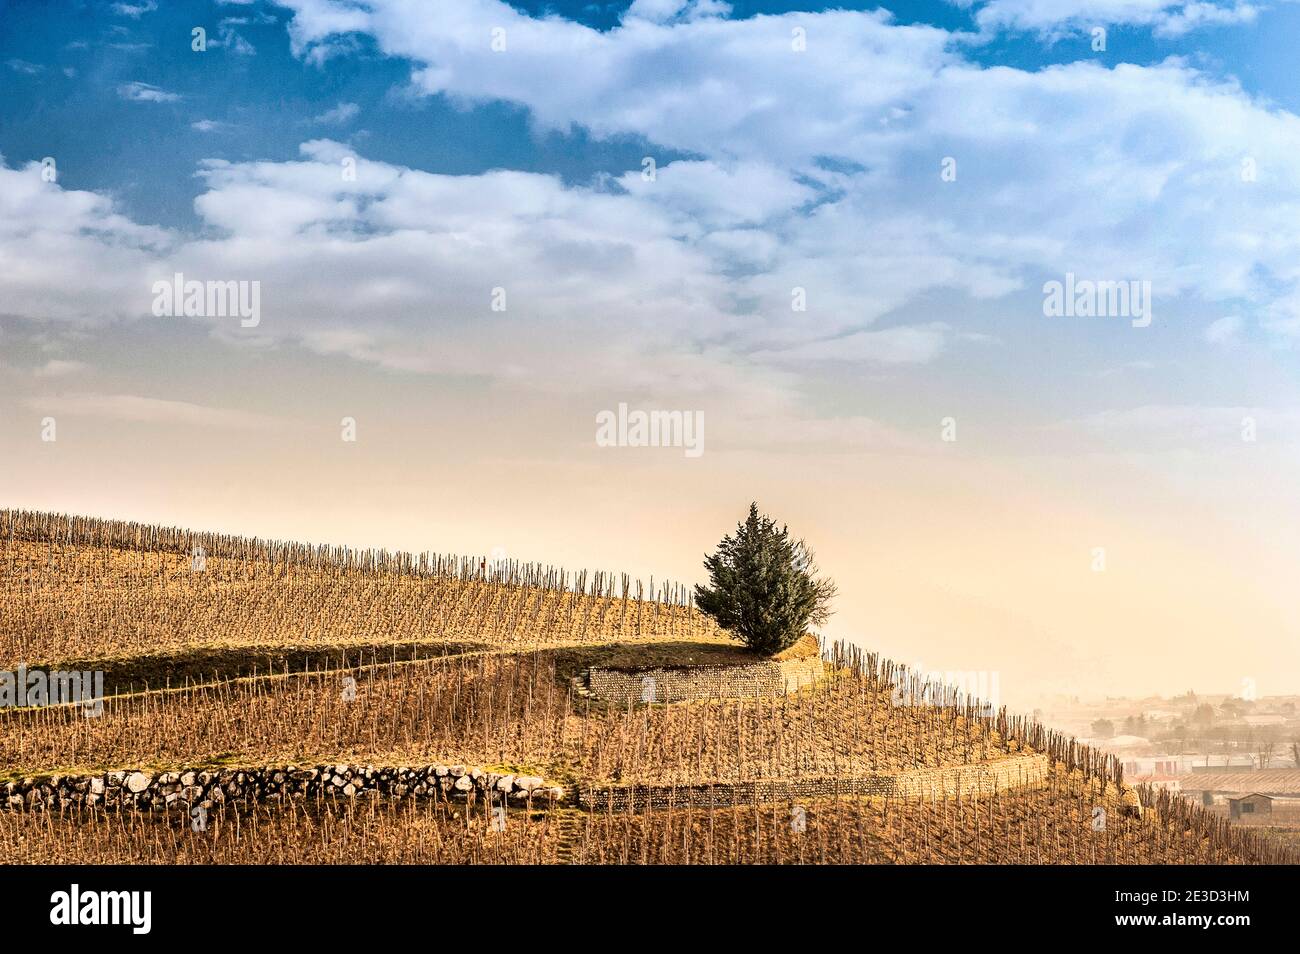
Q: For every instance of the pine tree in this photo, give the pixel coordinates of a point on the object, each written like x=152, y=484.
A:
x=764, y=587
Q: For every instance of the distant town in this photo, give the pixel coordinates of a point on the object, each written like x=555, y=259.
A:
x=1236, y=755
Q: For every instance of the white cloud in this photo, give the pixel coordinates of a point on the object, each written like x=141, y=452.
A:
x=733, y=87
x=1057, y=17
x=144, y=410
x=665, y=11
x=22, y=66
x=1190, y=16
x=717, y=196
x=58, y=368
x=146, y=93
x=805, y=178
x=1138, y=165
x=1225, y=330
x=918, y=344
x=1282, y=315
x=135, y=10
x=229, y=38
x=340, y=114
x=69, y=254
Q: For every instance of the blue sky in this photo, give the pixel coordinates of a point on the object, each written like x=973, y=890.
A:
x=796, y=264
x=265, y=100
x=62, y=73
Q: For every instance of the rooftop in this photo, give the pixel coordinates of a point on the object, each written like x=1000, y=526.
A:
x=1265, y=782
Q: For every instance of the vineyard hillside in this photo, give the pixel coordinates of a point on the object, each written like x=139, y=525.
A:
x=270, y=701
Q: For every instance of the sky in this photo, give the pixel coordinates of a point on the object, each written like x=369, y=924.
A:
x=829, y=234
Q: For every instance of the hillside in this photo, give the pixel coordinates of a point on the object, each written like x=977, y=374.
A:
x=303, y=698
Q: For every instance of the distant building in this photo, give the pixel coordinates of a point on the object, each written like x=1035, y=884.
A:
x=1171, y=783
x=1259, y=720
x=1142, y=765
x=1252, y=804
x=1234, y=763
x=1210, y=787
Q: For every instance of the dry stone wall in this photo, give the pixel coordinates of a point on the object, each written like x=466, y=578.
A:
x=983, y=778
x=762, y=679
x=185, y=788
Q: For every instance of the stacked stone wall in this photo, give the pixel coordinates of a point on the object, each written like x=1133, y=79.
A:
x=698, y=683
x=186, y=788
x=976, y=779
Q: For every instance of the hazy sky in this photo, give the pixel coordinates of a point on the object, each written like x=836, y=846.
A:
x=475, y=226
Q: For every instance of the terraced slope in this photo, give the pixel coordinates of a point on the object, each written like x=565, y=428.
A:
x=150, y=616
x=277, y=654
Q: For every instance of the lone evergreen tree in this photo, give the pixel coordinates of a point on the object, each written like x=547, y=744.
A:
x=763, y=586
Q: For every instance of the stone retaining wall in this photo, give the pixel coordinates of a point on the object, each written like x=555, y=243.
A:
x=762, y=679
x=982, y=778
x=184, y=788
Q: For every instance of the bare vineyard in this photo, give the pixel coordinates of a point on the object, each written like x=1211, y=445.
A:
x=307, y=666
x=79, y=589
x=510, y=709
x=1056, y=824
x=105, y=536
x=373, y=832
